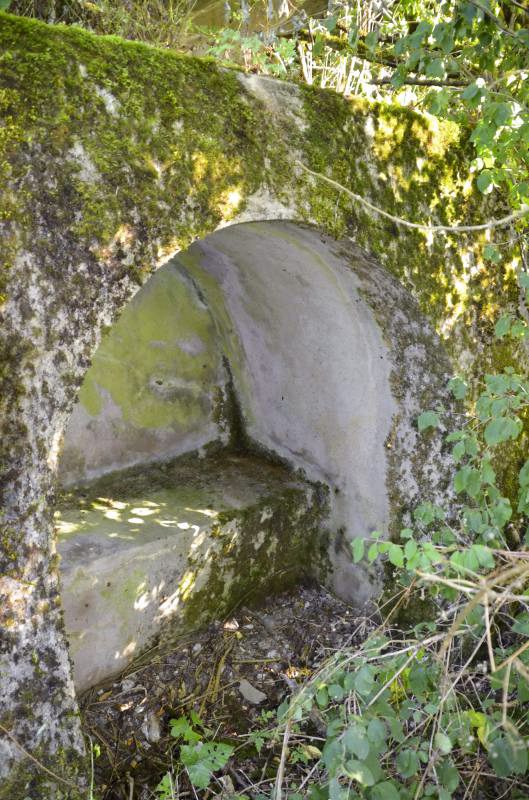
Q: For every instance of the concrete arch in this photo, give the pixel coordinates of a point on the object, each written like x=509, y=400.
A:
x=269, y=338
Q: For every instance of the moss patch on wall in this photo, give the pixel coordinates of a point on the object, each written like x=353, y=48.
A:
x=158, y=375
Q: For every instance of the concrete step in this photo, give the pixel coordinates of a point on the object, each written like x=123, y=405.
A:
x=157, y=550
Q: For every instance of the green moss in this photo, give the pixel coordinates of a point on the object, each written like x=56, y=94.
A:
x=170, y=155
x=138, y=360
x=125, y=168
x=414, y=167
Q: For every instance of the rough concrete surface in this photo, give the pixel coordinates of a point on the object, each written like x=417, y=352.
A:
x=154, y=553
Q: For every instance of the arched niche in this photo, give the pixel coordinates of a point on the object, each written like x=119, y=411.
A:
x=269, y=340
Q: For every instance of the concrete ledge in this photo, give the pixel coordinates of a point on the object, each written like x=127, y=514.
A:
x=153, y=550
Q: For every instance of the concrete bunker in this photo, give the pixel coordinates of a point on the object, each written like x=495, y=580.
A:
x=253, y=409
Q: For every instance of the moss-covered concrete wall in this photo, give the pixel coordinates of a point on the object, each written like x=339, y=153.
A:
x=114, y=156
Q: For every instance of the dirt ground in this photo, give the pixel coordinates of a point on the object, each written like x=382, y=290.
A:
x=229, y=674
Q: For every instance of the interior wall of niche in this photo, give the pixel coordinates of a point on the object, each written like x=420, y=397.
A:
x=232, y=428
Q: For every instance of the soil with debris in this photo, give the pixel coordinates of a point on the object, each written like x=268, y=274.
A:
x=228, y=674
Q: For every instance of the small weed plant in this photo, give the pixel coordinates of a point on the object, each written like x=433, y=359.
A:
x=198, y=755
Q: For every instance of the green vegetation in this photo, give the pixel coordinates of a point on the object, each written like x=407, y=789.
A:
x=200, y=756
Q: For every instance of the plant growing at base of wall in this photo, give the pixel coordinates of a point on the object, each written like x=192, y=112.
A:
x=424, y=712
x=198, y=755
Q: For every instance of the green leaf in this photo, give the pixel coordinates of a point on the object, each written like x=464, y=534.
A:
x=201, y=760
x=523, y=35
x=484, y=556
x=376, y=732
x=502, y=429
x=395, y=555
x=356, y=741
x=448, y=775
x=330, y=22
x=359, y=772
x=358, y=548
x=501, y=512
x=470, y=92
x=408, y=763
x=522, y=624
x=181, y=728
x=484, y=181
x=491, y=253
x=371, y=40
x=467, y=479
x=364, y=680
x=508, y=755
x=428, y=419
x=372, y=553
x=503, y=326
x=336, y=692
x=523, y=475
x=385, y=791
x=322, y=697
x=498, y=383
x=435, y=69
x=474, y=519
x=487, y=473
x=410, y=548
x=443, y=743
x=458, y=451
x=4, y=5
x=418, y=679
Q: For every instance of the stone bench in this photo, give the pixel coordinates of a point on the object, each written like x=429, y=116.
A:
x=156, y=549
